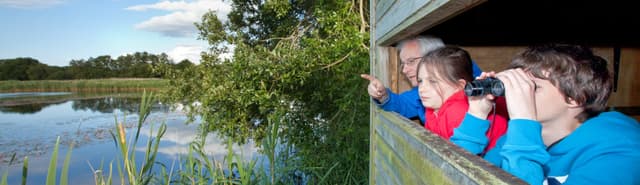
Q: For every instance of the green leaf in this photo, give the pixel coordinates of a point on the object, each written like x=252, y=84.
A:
x=3, y=181
x=65, y=168
x=51, y=173
x=25, y=166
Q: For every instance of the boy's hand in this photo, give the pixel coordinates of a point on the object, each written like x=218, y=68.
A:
x=519, y=94
x=480, y=106
x=375, y=88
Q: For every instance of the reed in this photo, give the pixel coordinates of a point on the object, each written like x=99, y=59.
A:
x=127, y=162
x=90, y=85
x=25, y=165
x=51, y=173
x=3, y=181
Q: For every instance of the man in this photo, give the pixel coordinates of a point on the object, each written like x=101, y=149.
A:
x=408, y=103
x=556, y=96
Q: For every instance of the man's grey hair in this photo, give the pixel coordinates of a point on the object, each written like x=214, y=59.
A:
x=426, y=43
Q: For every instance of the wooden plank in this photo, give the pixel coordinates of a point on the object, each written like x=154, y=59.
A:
x=403, y=84
x=493, y=58
x=394, y=165
x=384, y=174
x=382, y=8
x=420, y=165
x=382, y=64
x=393, y=69
x=628, y=92
x=419, y=148
x=400, y=12
x=398, y=83
x=372, y=114
x=410, y=17
x=434, y=168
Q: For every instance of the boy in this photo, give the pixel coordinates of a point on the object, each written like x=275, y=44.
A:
x=558, y=133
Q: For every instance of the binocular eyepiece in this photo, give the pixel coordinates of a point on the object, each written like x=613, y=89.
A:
x=484, y=86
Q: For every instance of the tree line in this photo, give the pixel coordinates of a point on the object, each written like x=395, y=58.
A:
x=137, y=65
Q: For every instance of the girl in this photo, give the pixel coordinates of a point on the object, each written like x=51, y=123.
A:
x=442, y=75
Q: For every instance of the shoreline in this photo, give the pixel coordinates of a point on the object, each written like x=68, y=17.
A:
x=89, y=85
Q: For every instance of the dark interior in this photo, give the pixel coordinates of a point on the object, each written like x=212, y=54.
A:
x=515, y=22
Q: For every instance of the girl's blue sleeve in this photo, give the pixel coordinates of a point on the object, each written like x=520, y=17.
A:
x=470, y=135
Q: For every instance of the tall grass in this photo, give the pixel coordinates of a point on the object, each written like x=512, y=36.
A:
x=126, y=163
x=3, y=181
x=91, y=85
x=51, y=173
x=196, y=168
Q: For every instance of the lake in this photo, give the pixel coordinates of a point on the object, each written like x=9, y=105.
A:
x=30, y=128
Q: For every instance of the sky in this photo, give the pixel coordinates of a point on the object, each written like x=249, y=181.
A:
x=57, y=31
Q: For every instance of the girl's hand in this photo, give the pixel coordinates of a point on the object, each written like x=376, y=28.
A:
x=480, y=106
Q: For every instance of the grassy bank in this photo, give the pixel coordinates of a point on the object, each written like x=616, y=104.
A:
x=93, y=85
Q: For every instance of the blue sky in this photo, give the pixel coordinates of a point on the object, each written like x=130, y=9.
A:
x=58, y=31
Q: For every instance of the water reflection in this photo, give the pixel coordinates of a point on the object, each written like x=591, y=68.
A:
x=32, y=94
x=101, y=104
x=31, y=130
x=26, y=109
x=110, y=104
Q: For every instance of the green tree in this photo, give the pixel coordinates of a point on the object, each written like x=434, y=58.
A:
x=37, y=72
x=137, y=65
x=184, y=64
x=16, y=69
x=80, y=69
x=59, y=73
x=295, y=62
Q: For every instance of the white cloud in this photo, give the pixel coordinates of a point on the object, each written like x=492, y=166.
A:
x=30, y=3
x=164, y=5
x=190, y=52
x=179, y=135
x=229, y=53
x=180, y=21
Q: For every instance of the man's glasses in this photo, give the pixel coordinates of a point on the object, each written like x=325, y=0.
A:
x=410, y=61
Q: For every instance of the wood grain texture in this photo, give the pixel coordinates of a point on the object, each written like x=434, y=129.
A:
x=410, y=17
x=406, y=153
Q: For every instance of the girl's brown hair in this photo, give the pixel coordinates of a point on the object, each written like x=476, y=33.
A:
x=451, y=63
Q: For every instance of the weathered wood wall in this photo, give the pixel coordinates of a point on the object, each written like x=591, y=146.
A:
x=398, y=19
x=405, y=153
x=402, y=152
x=628, y=91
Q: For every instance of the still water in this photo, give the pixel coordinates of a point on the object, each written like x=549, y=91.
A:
x=30, y=129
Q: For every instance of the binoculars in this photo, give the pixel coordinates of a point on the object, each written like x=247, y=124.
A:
x=485, y=86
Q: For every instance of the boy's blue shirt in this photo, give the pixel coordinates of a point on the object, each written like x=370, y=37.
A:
x=603, y=150
x=408, y=103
